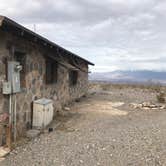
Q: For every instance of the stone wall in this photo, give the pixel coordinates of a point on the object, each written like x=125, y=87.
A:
x=61, y=92
x=3, y=56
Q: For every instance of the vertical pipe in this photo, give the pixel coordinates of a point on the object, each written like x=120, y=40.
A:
x=9, y=129
x=15, y=118
x=10, y=110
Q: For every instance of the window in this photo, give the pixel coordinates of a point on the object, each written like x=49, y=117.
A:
x=73, y=77
x=21, y=58
x=51, y=71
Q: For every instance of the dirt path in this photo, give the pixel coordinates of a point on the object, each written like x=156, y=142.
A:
x=99, y=130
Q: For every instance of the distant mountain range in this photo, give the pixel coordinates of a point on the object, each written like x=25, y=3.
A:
x=138, y=76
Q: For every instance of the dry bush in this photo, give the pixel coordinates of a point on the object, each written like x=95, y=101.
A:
x=161, y=97
x=94, y=86
x=106, y=87
x=156, y=87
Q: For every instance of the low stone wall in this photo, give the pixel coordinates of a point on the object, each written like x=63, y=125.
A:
x=61, y=92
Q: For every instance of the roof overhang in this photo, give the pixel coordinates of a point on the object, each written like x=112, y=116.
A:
x=67, y=65
x=7, y=24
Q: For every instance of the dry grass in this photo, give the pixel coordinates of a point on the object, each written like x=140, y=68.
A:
x=108, y=86
x=158, y=89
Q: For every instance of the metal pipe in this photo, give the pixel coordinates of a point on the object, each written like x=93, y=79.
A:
x=9, y=128
x=10, y=109
x=12, y=105
x=15, y=117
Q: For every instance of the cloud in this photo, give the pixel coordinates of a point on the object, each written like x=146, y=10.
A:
x=114, y=34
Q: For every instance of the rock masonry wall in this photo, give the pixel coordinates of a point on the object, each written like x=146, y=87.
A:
x=61, y=92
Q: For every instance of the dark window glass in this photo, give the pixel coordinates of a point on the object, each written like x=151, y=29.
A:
x=73, y=77
x=51, y=71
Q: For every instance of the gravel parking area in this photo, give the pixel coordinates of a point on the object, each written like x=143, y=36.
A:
x=100, y=130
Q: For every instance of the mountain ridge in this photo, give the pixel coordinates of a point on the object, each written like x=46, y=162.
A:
x=128, y=76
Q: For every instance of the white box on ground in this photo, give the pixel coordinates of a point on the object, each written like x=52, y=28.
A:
x=42, y=113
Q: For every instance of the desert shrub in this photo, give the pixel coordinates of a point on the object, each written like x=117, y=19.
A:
x=161, y=97
x=156, y=87
x=106, y=87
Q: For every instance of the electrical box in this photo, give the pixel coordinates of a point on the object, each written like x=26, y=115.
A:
x=7, y=88
x=42, y=113
x=14, y=69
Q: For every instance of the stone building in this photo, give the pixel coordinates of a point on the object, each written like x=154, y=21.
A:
x=48, y=70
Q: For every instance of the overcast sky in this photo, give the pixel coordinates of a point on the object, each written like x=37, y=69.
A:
x=114, y=34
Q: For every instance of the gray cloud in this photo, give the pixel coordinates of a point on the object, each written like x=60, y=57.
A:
x=115, y=34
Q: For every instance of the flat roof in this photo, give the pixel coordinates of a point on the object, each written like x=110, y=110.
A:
x=11, y=25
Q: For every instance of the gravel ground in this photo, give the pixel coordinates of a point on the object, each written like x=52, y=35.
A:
x=100, y=131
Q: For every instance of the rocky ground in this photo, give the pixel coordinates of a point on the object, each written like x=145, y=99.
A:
x=100, y=130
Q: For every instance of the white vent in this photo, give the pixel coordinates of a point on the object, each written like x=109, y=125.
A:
x=42, y=113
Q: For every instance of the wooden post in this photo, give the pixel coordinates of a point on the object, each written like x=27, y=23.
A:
x=8, y=136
